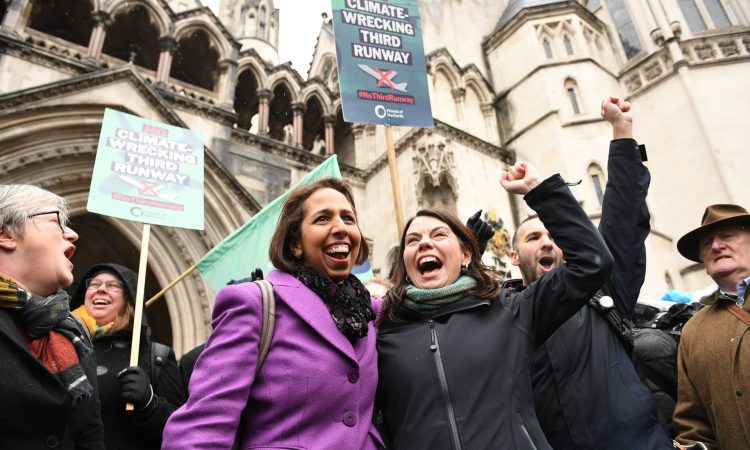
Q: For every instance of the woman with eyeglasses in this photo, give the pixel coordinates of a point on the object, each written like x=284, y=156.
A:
x=105, y=301
x=48, y=383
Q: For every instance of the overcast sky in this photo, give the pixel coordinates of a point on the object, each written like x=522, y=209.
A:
x=300, y=24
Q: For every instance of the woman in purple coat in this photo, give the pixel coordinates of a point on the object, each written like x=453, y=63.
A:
x=316, y=387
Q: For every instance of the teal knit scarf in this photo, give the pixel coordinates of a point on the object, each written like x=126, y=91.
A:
x=429, y=300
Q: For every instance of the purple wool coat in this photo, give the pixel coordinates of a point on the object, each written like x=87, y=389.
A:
x=315, y=390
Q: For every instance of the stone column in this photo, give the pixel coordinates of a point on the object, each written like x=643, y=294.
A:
x=298, y=109
x=329, y=122
x=102, y=21
x=264, y=99
x=227, y=82
x=167, y=45
x=490, y=123
x=12, y=19
x=459, y=94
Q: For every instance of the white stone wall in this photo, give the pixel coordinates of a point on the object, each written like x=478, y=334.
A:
x=459, y=26
x=15, y=75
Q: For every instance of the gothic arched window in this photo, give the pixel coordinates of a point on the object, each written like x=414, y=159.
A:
x=568, y=46
x=625, y=28
x=596, y=176
x=262, y=22
x=547, y=49
x=701, y=15
x=571, y=91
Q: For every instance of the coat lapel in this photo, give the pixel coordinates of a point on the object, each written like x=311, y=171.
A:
x=311, y=309
x=8, y=328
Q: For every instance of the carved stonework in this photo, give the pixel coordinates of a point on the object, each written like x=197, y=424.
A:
x=705, y=51
x=433, y=170
x=729, y=48
x=633, y=82
x=432, y=158
x=652, y=70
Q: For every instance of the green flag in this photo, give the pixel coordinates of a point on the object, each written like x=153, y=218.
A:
x=247, y=247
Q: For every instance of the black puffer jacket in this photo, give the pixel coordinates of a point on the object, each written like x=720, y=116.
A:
x=132, y=430
x=461, y=378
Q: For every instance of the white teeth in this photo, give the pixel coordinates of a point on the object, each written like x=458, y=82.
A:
x=427, y=259
x=341, y=248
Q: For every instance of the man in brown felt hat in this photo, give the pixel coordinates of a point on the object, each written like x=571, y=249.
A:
x=713, y=394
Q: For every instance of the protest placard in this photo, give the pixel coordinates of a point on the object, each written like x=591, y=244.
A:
x=381, y=63
x=148, y=172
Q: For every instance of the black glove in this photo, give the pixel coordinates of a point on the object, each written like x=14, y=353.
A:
x=482, y=230
x=256, y=274
x=135, y=387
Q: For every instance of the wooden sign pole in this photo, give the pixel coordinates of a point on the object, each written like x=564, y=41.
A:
x=138, y=318
x=394, y=179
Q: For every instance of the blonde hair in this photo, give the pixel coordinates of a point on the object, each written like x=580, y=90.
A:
x=125, y=317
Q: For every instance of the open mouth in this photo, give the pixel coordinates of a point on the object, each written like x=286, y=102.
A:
x=428, y=264
x=547, y=263
x=339, y=252
x=69, y=252
x=100, y=302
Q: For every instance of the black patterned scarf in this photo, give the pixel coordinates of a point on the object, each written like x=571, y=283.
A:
x=54, y=337
x=349, y=302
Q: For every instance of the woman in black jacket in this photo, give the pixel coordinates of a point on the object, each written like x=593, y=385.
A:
x=105, y=302
x=455, y=350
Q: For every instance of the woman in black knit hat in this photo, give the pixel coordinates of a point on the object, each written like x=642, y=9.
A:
x=105, y=302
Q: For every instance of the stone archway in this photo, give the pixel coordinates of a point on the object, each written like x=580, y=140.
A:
x=68, y=20
x=246, y=101
x=55, y=147
x=196, y=60
x=102, y=241
x=134, y=36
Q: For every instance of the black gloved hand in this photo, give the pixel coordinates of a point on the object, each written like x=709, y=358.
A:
x=482, y=230
x=135, y=387
x=256, y=274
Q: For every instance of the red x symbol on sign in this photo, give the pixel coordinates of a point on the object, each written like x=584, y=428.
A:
x=148, y=189
x=384, y=78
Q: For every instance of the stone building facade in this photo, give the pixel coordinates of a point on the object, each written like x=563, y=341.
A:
x=509, y=80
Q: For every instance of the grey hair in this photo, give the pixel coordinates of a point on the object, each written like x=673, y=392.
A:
x=17, y=201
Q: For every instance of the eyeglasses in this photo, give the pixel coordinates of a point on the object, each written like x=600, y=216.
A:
x=63, y=226
x=110, y=285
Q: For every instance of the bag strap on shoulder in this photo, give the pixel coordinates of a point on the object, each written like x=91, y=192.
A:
x=740, y=313
x=159, y=356
x=623, y=327
x=269, y=321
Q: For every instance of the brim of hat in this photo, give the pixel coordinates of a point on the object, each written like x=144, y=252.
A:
x=688, y=244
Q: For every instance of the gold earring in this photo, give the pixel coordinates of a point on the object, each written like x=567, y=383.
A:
x=298, y=253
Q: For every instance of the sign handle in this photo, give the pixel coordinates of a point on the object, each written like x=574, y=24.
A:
x=394, y=179
x=137, y=319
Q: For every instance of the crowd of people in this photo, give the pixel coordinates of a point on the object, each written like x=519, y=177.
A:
x=442, y=355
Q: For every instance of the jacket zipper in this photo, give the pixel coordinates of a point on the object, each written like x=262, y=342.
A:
x=528, y=436
x=435, y=348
